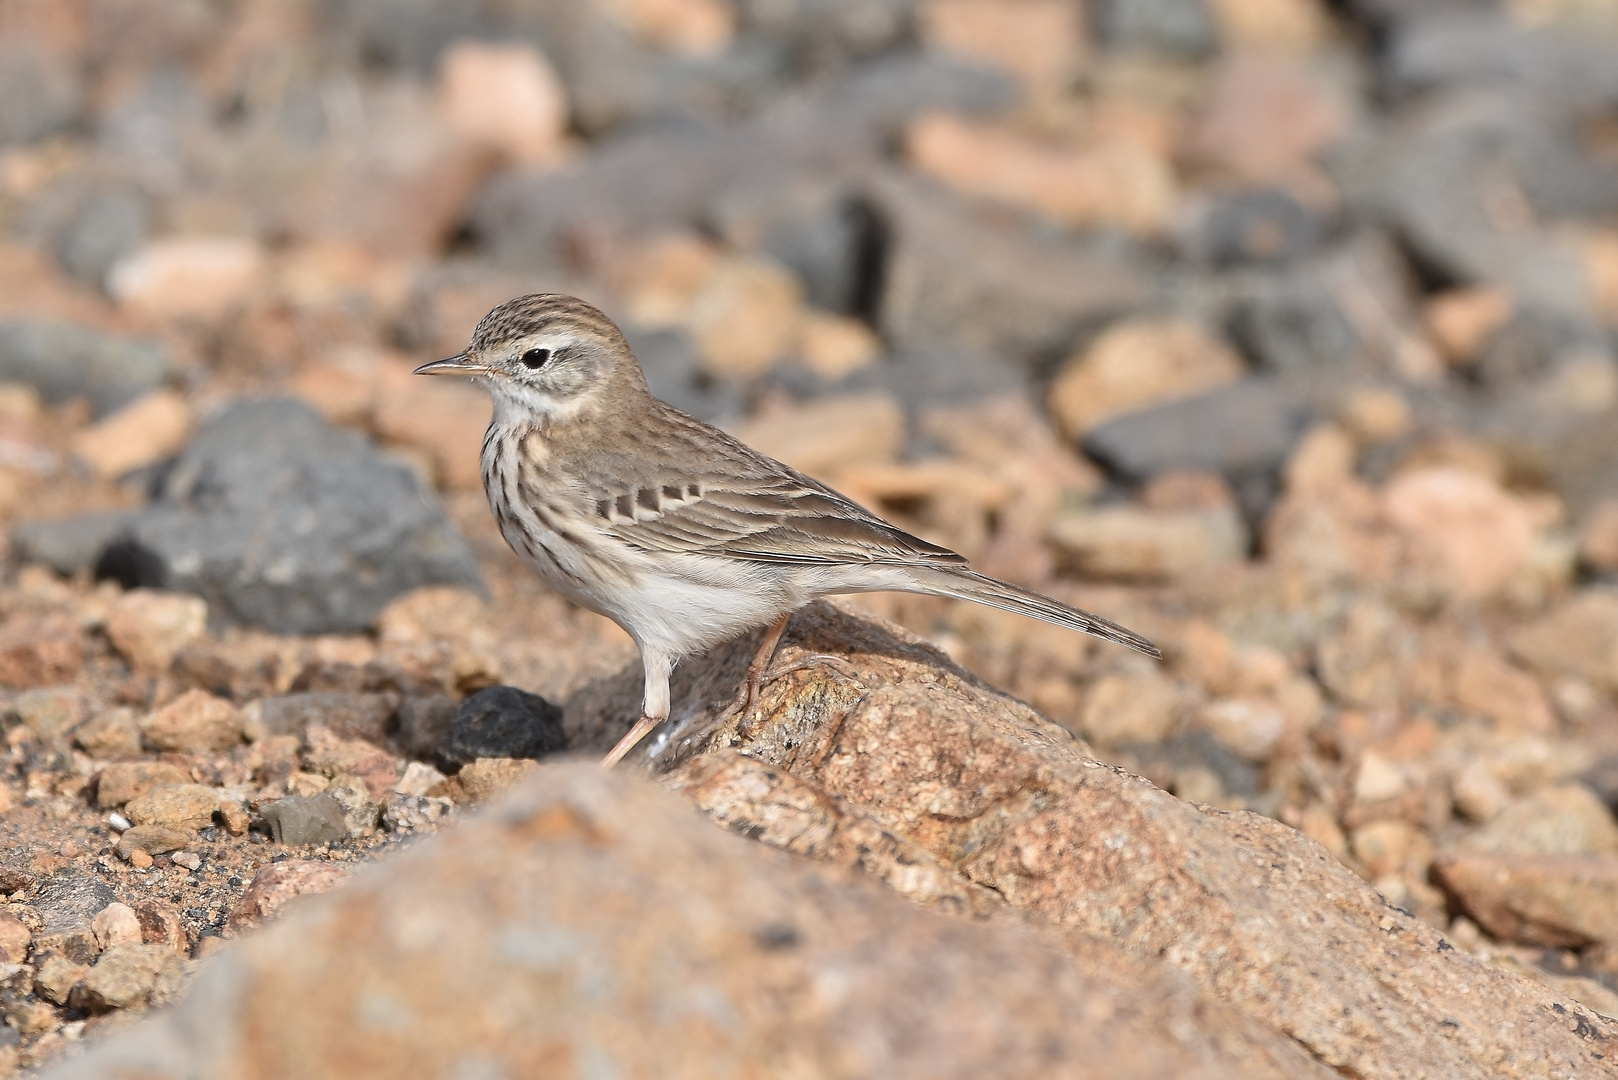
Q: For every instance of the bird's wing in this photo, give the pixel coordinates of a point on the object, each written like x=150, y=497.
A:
x=787, y=518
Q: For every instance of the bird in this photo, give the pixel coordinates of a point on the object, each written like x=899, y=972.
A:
x=681, y=534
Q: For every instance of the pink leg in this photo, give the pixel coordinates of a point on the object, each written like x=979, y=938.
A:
x=643, y=727
x=761, y=662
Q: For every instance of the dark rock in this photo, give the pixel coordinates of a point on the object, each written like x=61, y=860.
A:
x=66, y=904
x=822, y=231
x=64, y=361
x=1241, y=430
x=90, y=226
x=40, y=89
x=958, y=278
x=72, y=544
x=822, y=34
x=503, y=722
x=1457, y=45
x=674, y=373
x=13, y=880
x=672, y=175
x=279, y=520
x=1262, y=225
x=348, y=716
x=305, y=819
x=1175, y=27
x=423, y=722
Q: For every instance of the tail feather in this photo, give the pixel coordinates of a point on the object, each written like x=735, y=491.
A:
x=961, y=584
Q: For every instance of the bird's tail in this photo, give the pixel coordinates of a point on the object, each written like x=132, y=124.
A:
x=961, y=584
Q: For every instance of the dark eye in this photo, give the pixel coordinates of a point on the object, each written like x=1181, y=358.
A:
x=535, y=358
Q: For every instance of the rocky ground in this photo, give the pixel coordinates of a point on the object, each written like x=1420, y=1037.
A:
x=1283, y=332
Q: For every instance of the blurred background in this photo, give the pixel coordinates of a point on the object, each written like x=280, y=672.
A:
x=1282, y=331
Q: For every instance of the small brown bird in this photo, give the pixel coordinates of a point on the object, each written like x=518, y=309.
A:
x=677, y=532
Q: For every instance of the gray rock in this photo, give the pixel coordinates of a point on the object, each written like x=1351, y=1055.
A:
x=348, y=716
x=955, y=277
x=1237, y=430
x=822, y=34
x=424, y=721
x=823, y=231
x=1456, y=45
x=281, y=521
x=88, y=226
x=1175, y=27
x=72, y=544
x=305, y=819
x=503, y=722
x=40, y=89
x=66, y=904
x=64, y=361
x=1261, y=225
x=674, y=373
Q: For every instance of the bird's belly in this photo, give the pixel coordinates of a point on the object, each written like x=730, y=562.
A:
x=670, y=608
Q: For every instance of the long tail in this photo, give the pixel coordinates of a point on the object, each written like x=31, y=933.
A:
x=961, y=584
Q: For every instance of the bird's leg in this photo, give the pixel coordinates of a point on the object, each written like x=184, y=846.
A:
x=654, y=707
x=643, y=727
x=760, y=664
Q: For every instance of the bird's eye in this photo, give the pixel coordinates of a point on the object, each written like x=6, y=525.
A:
x=534, y=359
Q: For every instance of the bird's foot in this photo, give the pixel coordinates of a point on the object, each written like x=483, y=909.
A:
x=803, y=663
x=643, y=727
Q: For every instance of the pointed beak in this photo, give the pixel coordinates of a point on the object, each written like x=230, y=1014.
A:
x=461, y=364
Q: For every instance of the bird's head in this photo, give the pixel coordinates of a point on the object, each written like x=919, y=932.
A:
x=550, y=355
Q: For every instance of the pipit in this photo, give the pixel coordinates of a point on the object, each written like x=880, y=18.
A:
x=677, y=532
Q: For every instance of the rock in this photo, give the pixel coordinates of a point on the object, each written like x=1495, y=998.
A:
x=968, y=281
x=1387, y=848
x=40, y=85
x=278, y=883
x=824, y=437
x=279, y=520
x=15, y=938
x=1248, y=727
x=745, y=317
x=1154, y=872
x=423, y=722
x=1579, y=639
x=414, y=813
x=1568, y=819
x=1254, y=225
x=65, y=361
x=507, y=96
x=1133, y=544
x=124, y=977
x=1479, y=535
x=503, y=722
x=485, y=778
x=1461, y=321
x=1106, y=181
x=823, y=230
x=47, y=711
x=72, y=545
x=161, y=924
x=116, y=924
x=67, y=903
x=1265, y=121
x=150, y=628
x=354, y=798
x=304, y=819
x=1479, y=794
x=122, y=781
x=194, y=277
x=1194, y=766
x=1136, y=363
x=1042, y=42
x=1175, y=27
x=149, y=840
x=57, y=977
x=145, y=431
x=1570, y=901
x=44, y=650
x=418, y=779
x=15, y=881
x=1137, y=708
x=1598, y=539
x=1008, y=1005
x=347, y=716
x=187, y=808
x=835, y=346
x=90, y=224
x=441, y=416
x=196, y=720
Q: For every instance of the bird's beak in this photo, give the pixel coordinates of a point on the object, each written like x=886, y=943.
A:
x=461, y=364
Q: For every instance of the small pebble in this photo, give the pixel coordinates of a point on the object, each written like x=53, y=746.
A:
x=188, y=859
x=140, y=860
x=118, y=822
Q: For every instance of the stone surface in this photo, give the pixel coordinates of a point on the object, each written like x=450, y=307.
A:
x=277, y=519
x=15, y=938
x=1096, y=850
x=198, y=277
x=503, y=722
x=116, y=924
x=1564, y=900
x=275, y=885
x=1135, y=363
x=39, y=651
x=144, y=432
x=1478, y=534
x=305, y=819
x=347, y=716
x=122, y=781
x=65, y=361
x=483, y=779
x=1134, y=544
x=1567, y=819
x=150, y=840
x=124, y=976
x=827, y=436
x=186, y=807
x=196, y=720
x=1578, y=638
x=150, y=628
x=508, y=96
x=999, y=1000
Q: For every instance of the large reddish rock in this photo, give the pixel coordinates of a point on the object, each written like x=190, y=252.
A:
x=998, y=798
x=1566, y=900
x=592, y=925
